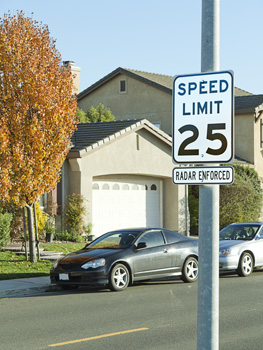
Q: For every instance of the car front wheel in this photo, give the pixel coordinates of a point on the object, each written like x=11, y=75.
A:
x=119, y=278
x=190, y=270
x=245, y=266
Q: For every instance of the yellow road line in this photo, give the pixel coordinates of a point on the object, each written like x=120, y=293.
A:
x=99, y=337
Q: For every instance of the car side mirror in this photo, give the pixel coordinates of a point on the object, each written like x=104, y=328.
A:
x=141, y=245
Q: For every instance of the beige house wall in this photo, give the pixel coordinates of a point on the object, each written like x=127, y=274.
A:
x=140, y=101
x=244, y=137
x=137, y=153
x=248, y=141
x=258, y=153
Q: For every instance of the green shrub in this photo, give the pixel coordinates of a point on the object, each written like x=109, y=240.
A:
x=5, y=228
x=193, y=202
x=74, y=216
x=41, y=219
x=241, y=201
x=50, y=226
x=69, y=237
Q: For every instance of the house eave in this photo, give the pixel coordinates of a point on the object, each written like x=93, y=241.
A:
x=82, y=151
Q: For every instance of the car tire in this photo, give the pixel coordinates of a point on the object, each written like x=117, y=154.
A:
x=119, y=278
x=245, y=266
x=190, y=270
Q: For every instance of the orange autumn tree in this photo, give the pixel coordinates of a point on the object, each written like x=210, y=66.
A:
x=37, y=113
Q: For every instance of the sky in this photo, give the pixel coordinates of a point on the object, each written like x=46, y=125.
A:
x=157, y=36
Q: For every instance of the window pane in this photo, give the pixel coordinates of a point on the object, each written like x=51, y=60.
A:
x=172, y=237
x=122, y=85
x=152, y=239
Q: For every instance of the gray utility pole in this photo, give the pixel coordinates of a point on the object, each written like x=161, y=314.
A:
x=208, y=278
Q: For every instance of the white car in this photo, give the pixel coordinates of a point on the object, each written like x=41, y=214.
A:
x=241, y=247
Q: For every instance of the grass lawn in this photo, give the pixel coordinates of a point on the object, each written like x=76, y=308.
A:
x=16, y=266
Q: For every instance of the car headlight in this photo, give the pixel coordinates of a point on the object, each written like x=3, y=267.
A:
x=93, y=264
x=55, y=265
x=226, y=251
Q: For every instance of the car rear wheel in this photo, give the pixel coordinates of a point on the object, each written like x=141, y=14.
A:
x=190, y=270
x=119, y=278
x=245, y=266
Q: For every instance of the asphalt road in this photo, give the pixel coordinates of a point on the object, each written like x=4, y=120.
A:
x=154, y=315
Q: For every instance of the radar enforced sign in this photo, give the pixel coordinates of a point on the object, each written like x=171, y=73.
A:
x=203, y=175
x=203, y=109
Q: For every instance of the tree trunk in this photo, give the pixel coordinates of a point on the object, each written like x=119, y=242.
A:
x=31, y=233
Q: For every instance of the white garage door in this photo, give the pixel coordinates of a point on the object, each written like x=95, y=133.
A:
x=124, y=204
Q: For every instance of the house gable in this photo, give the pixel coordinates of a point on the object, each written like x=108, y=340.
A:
x=146, y=95
x=90, y=136
x=159, y=81
x=128, y=151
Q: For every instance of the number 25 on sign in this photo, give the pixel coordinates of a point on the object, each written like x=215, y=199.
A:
x=203, y=118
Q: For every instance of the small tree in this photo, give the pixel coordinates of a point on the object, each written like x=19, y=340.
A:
x=99, y=114
x=5, y=228
x=74, y=216
x=81, y=115
x=37, y=113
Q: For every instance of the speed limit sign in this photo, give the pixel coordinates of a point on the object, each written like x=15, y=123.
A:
x=203, y=118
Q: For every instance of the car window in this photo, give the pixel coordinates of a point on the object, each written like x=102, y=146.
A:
x=115, y=240
x=152, y=238
x=260, y=234
x=244, y=232
x=172, y=237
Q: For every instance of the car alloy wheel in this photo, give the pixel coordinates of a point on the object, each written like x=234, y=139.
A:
x=190, y=270
x=119, y=278
x=245, y=266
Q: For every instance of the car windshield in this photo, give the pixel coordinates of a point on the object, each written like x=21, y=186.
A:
x=114, y=240
x=245, y=232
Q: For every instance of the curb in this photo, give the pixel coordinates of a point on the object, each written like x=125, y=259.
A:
x=23, y=291
x=27, y=286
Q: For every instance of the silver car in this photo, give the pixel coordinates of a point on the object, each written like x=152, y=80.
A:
x=241, y=247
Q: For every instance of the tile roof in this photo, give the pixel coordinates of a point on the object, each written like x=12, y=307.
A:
x=248, y=104
x=91, y=135
x=159, y=81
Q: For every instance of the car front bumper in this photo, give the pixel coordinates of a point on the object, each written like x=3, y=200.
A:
x=79, y=278
x=228, y=262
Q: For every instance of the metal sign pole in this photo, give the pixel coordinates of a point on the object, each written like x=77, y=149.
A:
x=208, y=278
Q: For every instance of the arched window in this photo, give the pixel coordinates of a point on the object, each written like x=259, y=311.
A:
x=135, y=187
x=153, y=187
x=105, y=187
x=125, y=187
x=95, y=186
x=115, y=187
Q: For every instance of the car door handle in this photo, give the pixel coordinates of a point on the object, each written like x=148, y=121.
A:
x=165, y=251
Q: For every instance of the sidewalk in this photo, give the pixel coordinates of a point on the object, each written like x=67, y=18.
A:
x=26, y=286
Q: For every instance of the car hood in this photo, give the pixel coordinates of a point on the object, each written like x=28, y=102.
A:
x=230, y=243
x=84, y=255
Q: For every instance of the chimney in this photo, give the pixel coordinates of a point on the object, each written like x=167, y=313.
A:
x=76, y=75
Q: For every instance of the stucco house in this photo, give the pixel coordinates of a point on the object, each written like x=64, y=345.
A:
x=135, y=94
x=124, y=171
x=124, y=168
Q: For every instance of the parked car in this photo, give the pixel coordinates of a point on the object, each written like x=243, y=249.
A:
x=241, y=247
x=119, y=258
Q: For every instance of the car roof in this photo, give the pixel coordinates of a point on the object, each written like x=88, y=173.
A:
x=140, y=229
x=248, y=223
